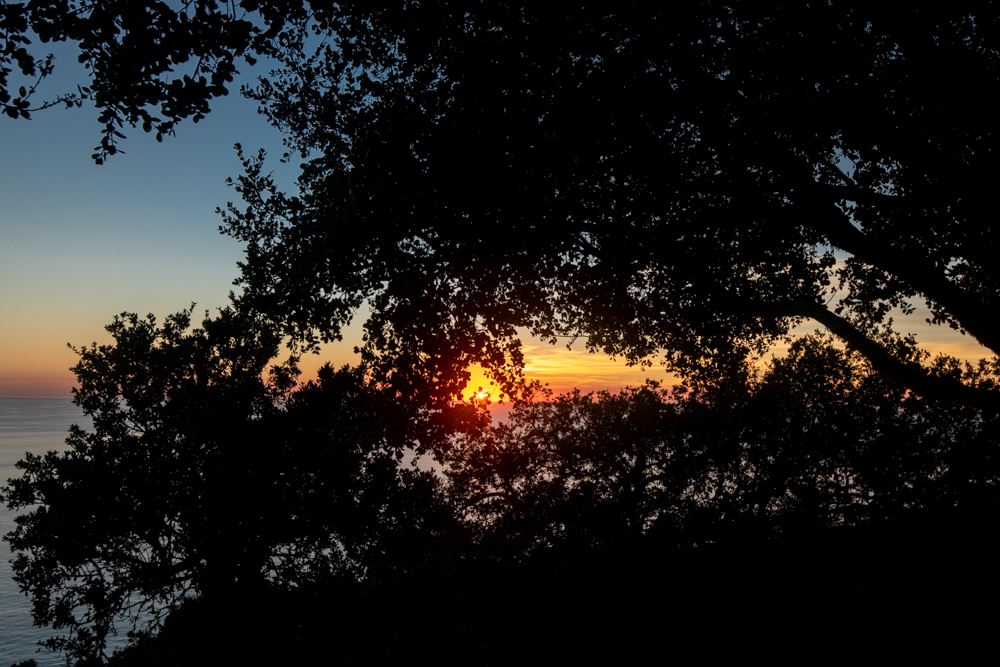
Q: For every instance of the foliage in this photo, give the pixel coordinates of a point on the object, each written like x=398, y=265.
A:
x=206, y=477
x=815, y=443
x=133, y=51
x=690, y=183
x=207, y=487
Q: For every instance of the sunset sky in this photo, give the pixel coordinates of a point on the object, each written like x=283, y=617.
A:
x=80, y=243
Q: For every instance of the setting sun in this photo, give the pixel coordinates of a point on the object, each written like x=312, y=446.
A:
x=563, y=370
x=479, y=386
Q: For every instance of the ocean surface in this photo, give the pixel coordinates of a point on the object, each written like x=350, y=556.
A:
x=35, y=425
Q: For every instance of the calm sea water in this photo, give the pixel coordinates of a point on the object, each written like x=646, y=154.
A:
x=35, y=425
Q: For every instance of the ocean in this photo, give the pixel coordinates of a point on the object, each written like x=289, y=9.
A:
x=35, y=425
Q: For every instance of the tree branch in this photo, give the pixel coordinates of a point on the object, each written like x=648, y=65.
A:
x=911, y=375
x=967, y=309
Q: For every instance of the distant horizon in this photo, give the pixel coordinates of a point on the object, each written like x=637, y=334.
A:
x=561, y=369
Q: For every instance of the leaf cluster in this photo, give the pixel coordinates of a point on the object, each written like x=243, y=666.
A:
x=151, y=64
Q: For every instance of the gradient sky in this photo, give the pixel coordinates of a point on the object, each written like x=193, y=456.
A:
x=80, y=243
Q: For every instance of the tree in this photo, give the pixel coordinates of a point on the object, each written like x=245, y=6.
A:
x=691, y=183
x=815, y=444
x=208, y=477
x=799, y=497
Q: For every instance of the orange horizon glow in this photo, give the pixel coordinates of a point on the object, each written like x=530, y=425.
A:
x=40, y=363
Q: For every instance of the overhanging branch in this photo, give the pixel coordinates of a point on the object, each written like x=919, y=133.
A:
x=910, y=375
x=970, y=312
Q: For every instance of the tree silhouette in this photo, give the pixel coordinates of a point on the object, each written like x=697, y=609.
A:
x=207, y=488
x=693, y=182
x=777, y=506
x=817, y=442
x=689, y=184
x=681, y=181
x=207, y=478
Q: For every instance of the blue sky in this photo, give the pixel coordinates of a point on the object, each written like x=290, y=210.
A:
x=80, y=243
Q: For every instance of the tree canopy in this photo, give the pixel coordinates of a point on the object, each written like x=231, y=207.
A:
x=817, y=441
x=207, y=476
x=688, y=183
x=206, y=487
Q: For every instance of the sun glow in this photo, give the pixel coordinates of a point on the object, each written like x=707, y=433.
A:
x=480, y=387
x=564, y=370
